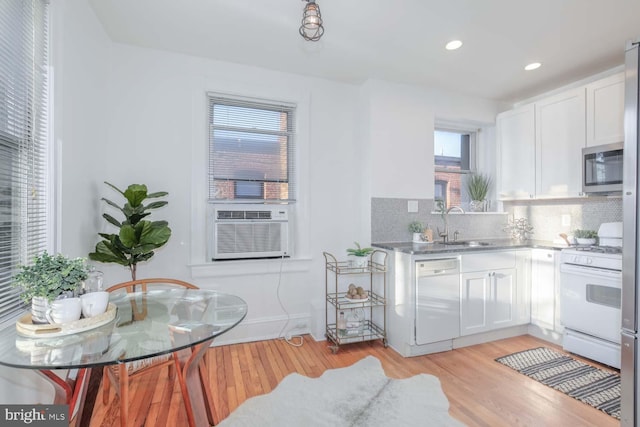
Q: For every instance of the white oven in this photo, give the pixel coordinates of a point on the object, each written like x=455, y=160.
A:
x=590, y=301
x=591, y=297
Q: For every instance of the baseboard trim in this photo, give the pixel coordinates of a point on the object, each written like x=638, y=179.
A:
x=265, y=328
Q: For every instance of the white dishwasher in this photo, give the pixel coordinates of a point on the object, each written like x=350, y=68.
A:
x=437, y=300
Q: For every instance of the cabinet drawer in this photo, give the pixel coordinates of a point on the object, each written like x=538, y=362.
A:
x=488, y=261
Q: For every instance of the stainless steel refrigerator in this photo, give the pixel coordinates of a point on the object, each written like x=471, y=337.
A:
x=631, y=246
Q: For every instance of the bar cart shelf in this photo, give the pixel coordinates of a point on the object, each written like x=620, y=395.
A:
x=373, y=320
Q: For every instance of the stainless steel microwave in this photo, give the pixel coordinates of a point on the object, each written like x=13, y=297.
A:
x=602, y=169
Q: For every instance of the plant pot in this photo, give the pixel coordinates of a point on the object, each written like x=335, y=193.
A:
x=476, y=205
x=582, y=241
x=417, y=238
x=360, y=261
x=39, y=307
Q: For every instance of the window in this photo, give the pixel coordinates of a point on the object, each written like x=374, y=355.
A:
x=454, y=156
x=251, y=150
x=23, y=141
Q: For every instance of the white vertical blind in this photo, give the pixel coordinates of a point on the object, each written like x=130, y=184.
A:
x=251, y=150
x=23, y=139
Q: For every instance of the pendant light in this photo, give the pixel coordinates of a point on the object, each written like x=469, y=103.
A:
x=311, y=28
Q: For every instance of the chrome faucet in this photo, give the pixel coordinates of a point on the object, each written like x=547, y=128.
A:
x=445, y=219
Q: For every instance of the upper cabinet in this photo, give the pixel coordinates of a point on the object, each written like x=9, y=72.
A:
x=560, y=138
x=516, y=142
x=540, y=144
x=605, y=110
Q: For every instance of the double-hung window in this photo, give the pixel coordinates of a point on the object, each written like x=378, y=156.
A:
x=454, y=156
x=24, y=209
x=251, y=150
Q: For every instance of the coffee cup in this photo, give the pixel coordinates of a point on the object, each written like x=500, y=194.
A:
x=64, y=310
x=94, y=303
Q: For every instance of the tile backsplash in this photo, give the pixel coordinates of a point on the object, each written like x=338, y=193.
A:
x=546, y=216
x=390, y=218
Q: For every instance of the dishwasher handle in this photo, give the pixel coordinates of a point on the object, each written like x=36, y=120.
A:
x=437, y=267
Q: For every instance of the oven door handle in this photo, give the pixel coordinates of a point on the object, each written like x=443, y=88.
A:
x=590, y=271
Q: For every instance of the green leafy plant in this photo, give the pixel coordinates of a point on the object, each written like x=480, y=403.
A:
x=137, y=237
x=358, y=251
x=478, y=186
x=50, y=276
x=416, y=227
x=585, y=234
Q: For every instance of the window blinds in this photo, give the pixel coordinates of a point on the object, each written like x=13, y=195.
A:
x=23, y=140
x=251, y=150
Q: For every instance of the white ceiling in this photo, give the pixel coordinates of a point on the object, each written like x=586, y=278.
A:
x=396, y=40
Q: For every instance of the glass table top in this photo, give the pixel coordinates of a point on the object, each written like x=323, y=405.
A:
x=146, y=324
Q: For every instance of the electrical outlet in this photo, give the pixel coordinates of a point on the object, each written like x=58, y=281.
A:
x=566, y=220
x=412, y=206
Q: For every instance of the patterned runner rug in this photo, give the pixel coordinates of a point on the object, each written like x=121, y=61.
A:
x=593, y=386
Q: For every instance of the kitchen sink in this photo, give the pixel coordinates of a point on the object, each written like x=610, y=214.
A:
x=468, y=243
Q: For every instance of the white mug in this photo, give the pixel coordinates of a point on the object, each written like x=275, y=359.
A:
x=64, y=310
x=94, y=303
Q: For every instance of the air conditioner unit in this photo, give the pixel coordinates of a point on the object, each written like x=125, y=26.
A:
x=255, y=232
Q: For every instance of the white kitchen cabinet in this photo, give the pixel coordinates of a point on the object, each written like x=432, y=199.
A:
x=605, y=110
x=516, y=142
x=543, y=288
x=560, y=137
x=488, y=297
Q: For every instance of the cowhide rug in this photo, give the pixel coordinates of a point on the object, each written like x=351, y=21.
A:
x=358, y=395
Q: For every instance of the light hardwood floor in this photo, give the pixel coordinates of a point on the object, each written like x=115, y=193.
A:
x=481, y=392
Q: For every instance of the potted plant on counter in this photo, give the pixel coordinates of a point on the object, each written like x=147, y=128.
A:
x=478, y=188
x=416, y=228
x=47, y=278
x=361, y=256
x=585, y=237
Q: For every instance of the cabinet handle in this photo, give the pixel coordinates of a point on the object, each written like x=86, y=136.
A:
x=549, y=255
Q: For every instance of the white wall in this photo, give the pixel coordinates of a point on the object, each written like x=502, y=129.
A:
x=401, y=124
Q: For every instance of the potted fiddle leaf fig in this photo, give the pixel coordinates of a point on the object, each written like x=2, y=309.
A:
x=137, y=237
x=49, y=277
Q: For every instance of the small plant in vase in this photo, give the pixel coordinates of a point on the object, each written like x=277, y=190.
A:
x=360, y=254
x=585, y=237
x=478, y=188
x=47, y=278
x=416, y=228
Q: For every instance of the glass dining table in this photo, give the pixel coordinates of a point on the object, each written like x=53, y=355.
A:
x=183, y=322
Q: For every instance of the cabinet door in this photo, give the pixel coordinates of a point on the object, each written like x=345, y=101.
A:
x=502, y=311
x=543, y=289
x=516, y=146
x=474, y=300
x=605, y=110
x=560, y=137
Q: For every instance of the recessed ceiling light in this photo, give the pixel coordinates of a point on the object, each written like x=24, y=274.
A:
x=532, y=66
x=453, y=45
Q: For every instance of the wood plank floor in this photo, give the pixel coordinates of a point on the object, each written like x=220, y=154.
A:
x=481, y=392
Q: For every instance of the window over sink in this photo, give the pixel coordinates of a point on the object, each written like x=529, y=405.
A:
x=455, y=159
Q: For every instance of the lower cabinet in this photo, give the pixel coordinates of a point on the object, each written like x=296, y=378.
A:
x=488, y=300
x=494, y=294
x=545, y=289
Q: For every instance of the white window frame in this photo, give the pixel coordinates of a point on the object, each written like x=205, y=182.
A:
x=200, y=266
x=290, y=134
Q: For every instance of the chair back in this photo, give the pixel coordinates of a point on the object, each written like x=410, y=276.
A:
x=144, y=284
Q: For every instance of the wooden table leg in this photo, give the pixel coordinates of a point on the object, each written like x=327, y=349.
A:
x=195, y=386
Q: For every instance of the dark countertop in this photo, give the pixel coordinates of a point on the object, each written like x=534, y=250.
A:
x=439, y=248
